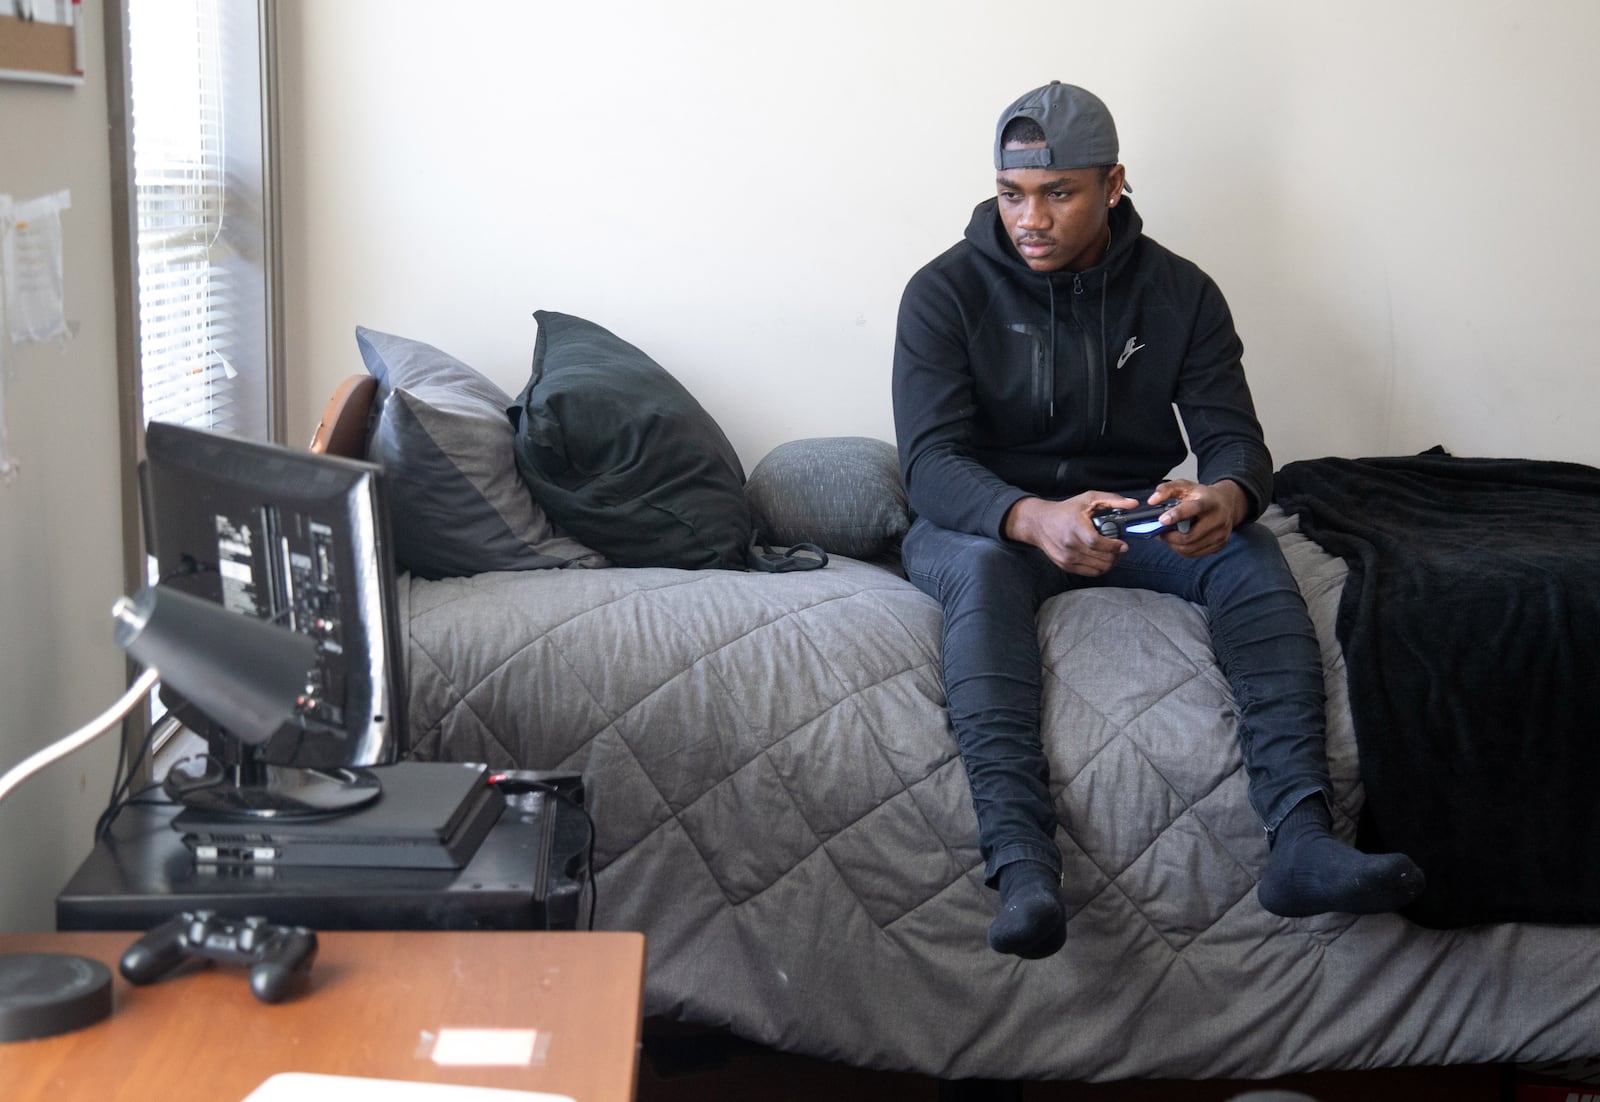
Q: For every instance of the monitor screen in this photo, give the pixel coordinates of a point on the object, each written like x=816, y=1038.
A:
x=300, y=539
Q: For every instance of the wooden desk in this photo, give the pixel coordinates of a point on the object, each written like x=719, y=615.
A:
x=373, y=1003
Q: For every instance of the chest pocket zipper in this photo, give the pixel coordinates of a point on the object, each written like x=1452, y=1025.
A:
x=1096, y=386
x=1041, y=380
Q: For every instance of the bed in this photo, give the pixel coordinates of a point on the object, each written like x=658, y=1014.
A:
x=781, y=809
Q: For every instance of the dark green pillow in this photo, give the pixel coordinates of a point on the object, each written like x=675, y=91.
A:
x=620, y=455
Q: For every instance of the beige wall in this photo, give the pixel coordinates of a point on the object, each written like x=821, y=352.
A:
x=1394, y=194
x=60, y=518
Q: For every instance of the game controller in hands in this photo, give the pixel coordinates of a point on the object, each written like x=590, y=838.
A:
x=276, y=954
x=1144, y=520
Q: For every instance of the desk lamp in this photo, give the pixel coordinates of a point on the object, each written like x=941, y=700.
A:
x=244, y=673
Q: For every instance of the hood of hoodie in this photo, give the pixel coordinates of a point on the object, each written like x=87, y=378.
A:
x=987, y=233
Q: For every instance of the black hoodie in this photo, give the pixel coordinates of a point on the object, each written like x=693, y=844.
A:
x=1011, y=383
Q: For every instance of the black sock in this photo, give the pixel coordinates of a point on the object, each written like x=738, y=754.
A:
x=1031, y=922
x=1310, y=871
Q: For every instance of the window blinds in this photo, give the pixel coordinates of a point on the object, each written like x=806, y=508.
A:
x=179, y=168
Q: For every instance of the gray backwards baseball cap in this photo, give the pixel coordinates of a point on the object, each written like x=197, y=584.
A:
x=1078, y=131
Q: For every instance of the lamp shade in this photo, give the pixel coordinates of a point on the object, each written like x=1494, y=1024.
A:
x=245, y=674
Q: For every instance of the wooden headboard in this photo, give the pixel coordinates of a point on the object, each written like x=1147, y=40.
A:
x=343, y=429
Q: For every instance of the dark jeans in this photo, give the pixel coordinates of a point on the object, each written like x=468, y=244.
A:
x=991, y=592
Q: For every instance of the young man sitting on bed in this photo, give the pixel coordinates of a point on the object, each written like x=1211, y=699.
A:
x=1037, y=363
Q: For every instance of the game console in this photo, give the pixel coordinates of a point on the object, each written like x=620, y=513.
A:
x=432, y=815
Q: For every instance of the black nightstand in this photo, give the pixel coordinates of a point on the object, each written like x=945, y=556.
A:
x=526, y=875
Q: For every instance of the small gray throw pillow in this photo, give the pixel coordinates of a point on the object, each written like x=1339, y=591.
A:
x=457, y=505
x=842, y=493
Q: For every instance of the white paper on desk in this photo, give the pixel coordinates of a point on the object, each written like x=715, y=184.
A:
x=505, y=1048
x=296, y=1086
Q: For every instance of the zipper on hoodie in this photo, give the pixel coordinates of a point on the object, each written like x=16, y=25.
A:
x=1105, y=375
x=1045, y=369
x=1094, y=366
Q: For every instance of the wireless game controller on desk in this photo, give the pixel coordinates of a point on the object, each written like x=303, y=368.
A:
x=276, y=954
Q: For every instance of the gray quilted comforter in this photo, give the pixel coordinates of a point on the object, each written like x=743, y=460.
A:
x=782, y=811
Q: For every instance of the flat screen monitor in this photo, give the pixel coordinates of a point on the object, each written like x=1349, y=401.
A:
x=300, y=539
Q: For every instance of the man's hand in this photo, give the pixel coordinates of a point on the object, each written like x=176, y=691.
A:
x=1064, y=532
x=1215, y=510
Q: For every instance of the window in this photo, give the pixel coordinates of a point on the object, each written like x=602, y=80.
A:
x=192, y=103
x=197, y=80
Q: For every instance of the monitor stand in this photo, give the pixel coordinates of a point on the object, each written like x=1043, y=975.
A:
x=253, y=790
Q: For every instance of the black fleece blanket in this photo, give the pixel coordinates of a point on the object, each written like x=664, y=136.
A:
x=1470, y=624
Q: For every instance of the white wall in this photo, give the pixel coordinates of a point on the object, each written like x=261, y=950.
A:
x=60, y=518
x=1394, y=194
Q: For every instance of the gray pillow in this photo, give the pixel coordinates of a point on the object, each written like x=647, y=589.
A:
x=457, y=505
x=842, y=493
